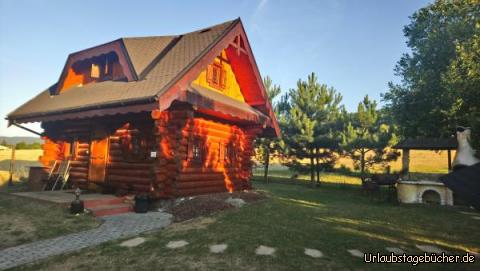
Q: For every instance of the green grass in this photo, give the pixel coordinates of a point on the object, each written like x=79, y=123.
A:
x=325, y=177
x=294, y=217
x=24, y=220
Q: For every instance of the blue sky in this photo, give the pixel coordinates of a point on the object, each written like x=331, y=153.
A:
x=350, y=45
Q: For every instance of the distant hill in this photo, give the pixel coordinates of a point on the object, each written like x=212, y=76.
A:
x=16, y=139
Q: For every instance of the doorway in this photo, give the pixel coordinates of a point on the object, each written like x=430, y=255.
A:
x=98, y=156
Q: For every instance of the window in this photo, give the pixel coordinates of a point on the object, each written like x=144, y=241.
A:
x=95, y=71
x=216, y=76
x=195, y=151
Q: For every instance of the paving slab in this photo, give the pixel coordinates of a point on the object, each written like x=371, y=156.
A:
x=431, y=249
x=356, y=253
x=314, y=253
x=113, y=227
x=235, y=202
x=469, y=213
x=264, y=250
x=218, y=248
x=133, y=242
x=176, y=244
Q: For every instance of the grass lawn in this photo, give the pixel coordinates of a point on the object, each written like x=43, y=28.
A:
x=24, y=220
x=330, y=218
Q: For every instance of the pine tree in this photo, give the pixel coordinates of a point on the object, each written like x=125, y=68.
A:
x=366, y=137
x=308, y=133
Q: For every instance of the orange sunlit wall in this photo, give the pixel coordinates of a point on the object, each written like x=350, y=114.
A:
x=79, y=73
x=230, y=87
x=224, y=161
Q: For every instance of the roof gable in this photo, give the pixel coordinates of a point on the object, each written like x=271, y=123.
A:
x=235, y=43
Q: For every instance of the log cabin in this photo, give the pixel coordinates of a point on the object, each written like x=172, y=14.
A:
x=170, y=116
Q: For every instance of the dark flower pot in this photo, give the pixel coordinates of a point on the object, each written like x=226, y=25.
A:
x=141, y=203
x=76, y=207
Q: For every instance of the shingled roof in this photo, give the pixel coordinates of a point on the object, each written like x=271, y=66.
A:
x=157, y=61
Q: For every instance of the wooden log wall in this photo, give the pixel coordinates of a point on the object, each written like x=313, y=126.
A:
x=173, y=172
x=124, y=171
x=127, y=169
x=59, y=137
x=180, y=175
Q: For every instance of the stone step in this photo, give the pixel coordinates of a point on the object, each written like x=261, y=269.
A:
x=115, y=209
x=102, y=202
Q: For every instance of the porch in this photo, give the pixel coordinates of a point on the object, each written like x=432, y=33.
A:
x=98, y=204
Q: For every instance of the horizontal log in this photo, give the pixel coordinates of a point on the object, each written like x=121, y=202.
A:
x=82, y=175
x=79, y=169
x=128, y=179
x=115, y=145
x=79, y=181
x=161, y=178
x=142, y=188
x=114, y=139
x=83, y=152
x=200, y=177
x=199, y=184
x=83, y=146
x=115, y=152
x=130, y=172
x=76, y=163
x=130, y=165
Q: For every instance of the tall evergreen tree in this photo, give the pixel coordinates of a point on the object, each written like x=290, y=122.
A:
x=308, y=133
x=366, y=137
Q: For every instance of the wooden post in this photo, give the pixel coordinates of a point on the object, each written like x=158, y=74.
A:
x=405, y=161
x=12, y=166
x=449, y=153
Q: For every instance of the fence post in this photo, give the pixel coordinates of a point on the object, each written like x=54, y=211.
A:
x=12, y=166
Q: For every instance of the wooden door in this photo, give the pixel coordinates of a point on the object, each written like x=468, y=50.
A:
x=98, y=157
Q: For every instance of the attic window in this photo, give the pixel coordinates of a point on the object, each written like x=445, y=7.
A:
x=216, y=76
x=95, y=71
x=205, y=30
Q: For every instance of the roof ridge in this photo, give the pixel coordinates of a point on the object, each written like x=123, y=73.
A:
x=147, y=37
x=212, y=26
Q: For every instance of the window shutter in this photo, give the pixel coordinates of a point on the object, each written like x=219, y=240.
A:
x=223, y=78
x=209, y=74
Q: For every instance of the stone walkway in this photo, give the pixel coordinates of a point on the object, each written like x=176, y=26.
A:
x=114, y=227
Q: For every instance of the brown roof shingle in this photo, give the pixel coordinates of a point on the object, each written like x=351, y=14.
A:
x=161, y=60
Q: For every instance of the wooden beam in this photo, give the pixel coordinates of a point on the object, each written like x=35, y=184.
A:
x=449, y=153
x=405, y=161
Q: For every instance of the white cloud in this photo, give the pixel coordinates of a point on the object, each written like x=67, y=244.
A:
x=261, y=5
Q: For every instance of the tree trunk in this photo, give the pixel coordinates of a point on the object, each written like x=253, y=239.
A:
x=317, y=158
x=362, y=165
x=266, y=163
x=312, y=168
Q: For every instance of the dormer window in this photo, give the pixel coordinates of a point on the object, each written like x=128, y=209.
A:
x=98, y=68
x=95, y=71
